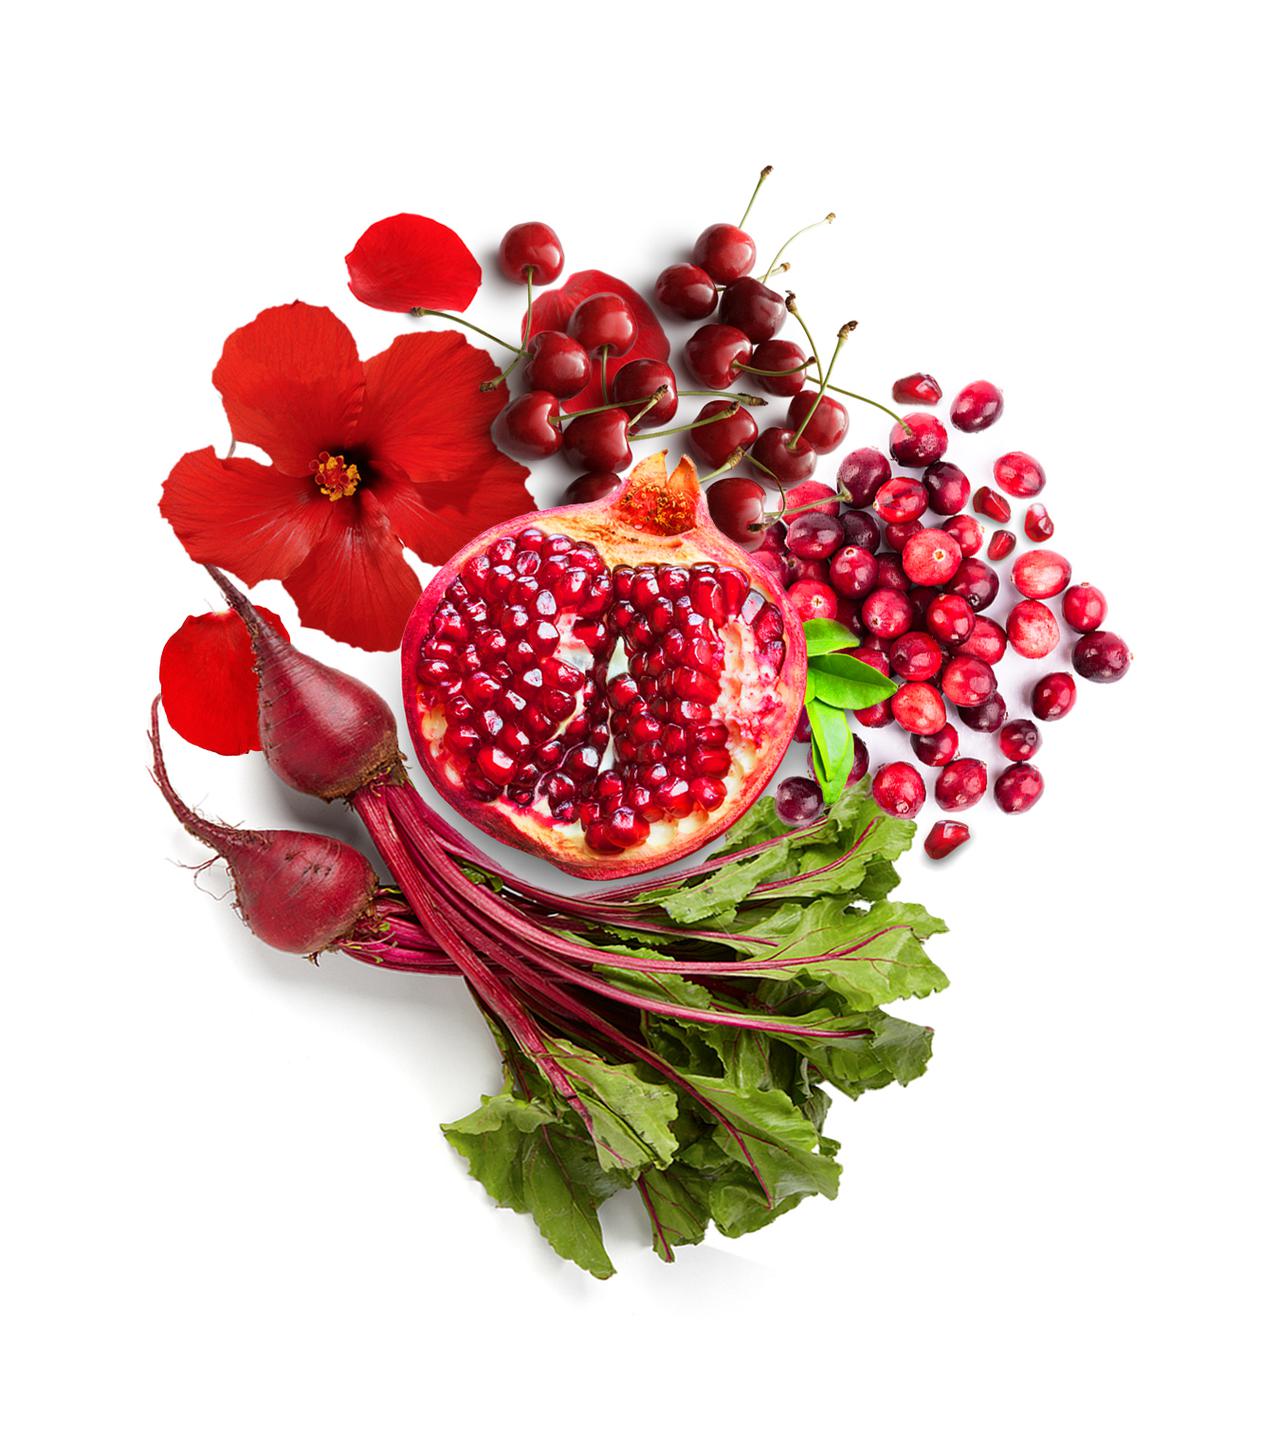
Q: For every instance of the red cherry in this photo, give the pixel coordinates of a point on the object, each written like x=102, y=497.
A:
x=604, y=320
x=525, y=428
x=591, y=487
x=825, y=430
x=917, y=387
x=598, y=441
x=638, y=381
x=924, y=444
x=737, y=507
x=779, y=356
x=714, y=352
x=556, y=364
x=753, y=308
x=531, y=245
x=787, y=464
x=977, y=406
x=724, y=252
x=715, y=442
x=686, y=290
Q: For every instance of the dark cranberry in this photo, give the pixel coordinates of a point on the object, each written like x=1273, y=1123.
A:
x=1019, y=739
x=976, y=583
x=918, y=708
x=737, y=507
x=853, y=572
x=1041, y=573
x=944, y=837
x=861, y=530
x=780, y=367
x=1083, y=607
x=961, y=784
x=591, y=487
x=948, y=487
x=967, y=681
x=798, y=801
x=967, y=532
x=798, y=568
x=812, y=599
x=950, y=619
x=714, y=352
x=825, y=430
x=803, y=732
x=1018, y=788
x=890, y=574
x=716, y=442
x=526, y=426
x=531, y=246
x=638, y=381
x=915, y=655
x=598, y=441
x=917, y=440
x=686, y=290
x=875, y=716
x=886, y=613
x=753, y=308
x=1002, y=544
x=556, y=364
x=862, y=473
x=902, y=500
x=931, y=557
x=987, y=642
x=604, y=321
x=988, y=502
x=1054, y=696
x=724, y=252
x=773, y=450
x=861, y=761
x=814, y=535
x=1032, y=629
x=1101, y=656
x=897, y=535
x=1018, y=474
x=977, y=406
x=899, y=790
x=917, y=387
x=921, y=597
x=986, y=717
x=1037, y=524
x=935, y=750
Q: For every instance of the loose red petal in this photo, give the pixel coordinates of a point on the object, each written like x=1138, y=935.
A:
x=409, y=261
x=207, y=683
x=239, y=515
x=356, y=585
x=551, y=310
x=292, y=384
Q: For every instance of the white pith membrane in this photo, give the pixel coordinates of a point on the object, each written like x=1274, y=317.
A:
x=746, y=697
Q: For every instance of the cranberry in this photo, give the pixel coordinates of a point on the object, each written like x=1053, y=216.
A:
x=599, y=441
x=825, y=430
x=1018, y=474
x=876, y=716
x=986, y=717
x=899, y=790
x=862, y=473
x=915, y=656
x=687, y=291
x=531, y=246
x=526, y=426
x=1101, y=656
x=853, y=572
x=1002, y=544
x=1037, y=524
x=1032, y=629
x=773, y=450
x=803, y=732
x=873, y=655
x=950, y=619
x=917, y=440
x=638, y=381
x=724, y=252
x=809, y=498
x=944, y=837
x=813, y=599
x=1083, y=607
x=917, y=387
x=977, y=406
x=604, y=321
x=918, y=708
x=716, y=442
x=967, y=681
x=948, y=487
x=898, y=535
x=1018, y=788
x=1019, y=739
x=976, y=583
x=798, y=568
x=886, y=613
x=938, y=749
x=890, y=574
x=737, y=507
x=780, y=367
x=961, y=784
x=753, y=308
x=931, y=556
x=861, y=530
x=714, y=354
x=967, y=532
x=1054, y=696
x=798, y=801
x=814, y=535
x=987, y=501
x=902, y=500
x=987, y=642
x=1041, y=573
x=861, y=761
x=921, y=597
x=591, y=487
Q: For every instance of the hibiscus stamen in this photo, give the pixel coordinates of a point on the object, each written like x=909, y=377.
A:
x=335, y=476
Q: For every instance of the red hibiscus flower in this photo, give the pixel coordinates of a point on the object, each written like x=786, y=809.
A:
x=367, y=458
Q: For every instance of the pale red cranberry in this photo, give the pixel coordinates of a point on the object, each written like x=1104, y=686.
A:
x=1083, y=607
x=1042, y=573
x=1032, y=629
x=944, y=837
x=1018, y=474
x=813, y=599
x=1054, y=696
x=977, y=406
x=967, y=681
x=930, y=556
x=949, y=618
x=1018, y=788
x=967, y=532
x=874, y=716
x=899, y=790
x=915, y=656
x=1019, y=740
x=918, y=708
x=886, y=612
x=902, y=500
x=938, y=749
x=987, y=642
x=961, y=784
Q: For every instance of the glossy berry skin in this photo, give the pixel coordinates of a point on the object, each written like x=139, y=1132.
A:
x=923, y=444
x=714, y=354
x=945, y=837
x=918, y=708
x=899, y=790
x=902, y=500
x=826, y=429
x=715, y=442
x=1018, y=474
x=784, y=463
x=1041, y=573
x=556, y=364
x=874, y=717
x=935, y=750
x=1032, y=629
x=798, y=568
x=1101, y=656
x=1054, y=696
x=810, y=498
x=991, y=505
x=599, y=442
x=967, y=532
x=890, y=574
x=687, y=291
x=812, y=599
x=917, y=387
x=724, y=252
x=853, y=571
x=898, y=535
x=1018, y=788
x=814, y=535
x=531, y=245
x=604, y=320
x=1002, y=544
x=638, y=381
x=591, y=487
x=948, y=488
x=1037, y=524
x=737, y=507
x=961, y=784
x=930, y=557
x=921, y=596
x=987, y=642
x=1084, y=608
x=862, y=473
x=986, y=717
x=967, y=682
x=872, y=654
x=861, y=761
x=915, y=656
x=977, y=583
x=526, y=427
x=977, y=406
x=753, y=308
x=886, y=613
x=798, y=801
x=950, y=619
x=860, y=529
x=781, y=357
x=1019, y=740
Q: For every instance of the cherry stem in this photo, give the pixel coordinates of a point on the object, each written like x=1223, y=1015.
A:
x=764, y=467
x=826, y=221
x=747, y=399
x=685, y=426
x=604, y=372
x=777, y=371
x=841, y=337
x=754, y=194
x=603, y=407
x=652, y=401
x=526, y=331
x=804, y=327
x=462, y=322
x=870, y=401
x=731, y=462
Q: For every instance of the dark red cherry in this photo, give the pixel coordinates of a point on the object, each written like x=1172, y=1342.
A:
x=713, y=353
x=825, y=430
x=638, y=381
x=975, y=407
x=591, y=487
x=604, y=320
x=780, y=357
x=686, y=290
x=753, y=308
x=785, y=463
x=924, y=444
x=724, y=252
x=918, y=387
x=556, y=364
x=526, y=426
x=715, y=442
x=737, y=507
x=598, y=441
x=531, y=245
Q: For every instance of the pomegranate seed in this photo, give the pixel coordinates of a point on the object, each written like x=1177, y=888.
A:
x=987, y=717
x=967, y=532
x=968, y=681
x=918, y=708
x=917, y=387
x=989, y=502
x=1054, y=696
x=899, y=790
x=1041, y=573
x=1018, y=474
x=1002, y=544
x=947, y=486
x=944, y=837
x=949, y=618
x=921, y=441
x=977, y=406
x=1037, y=524
x=915, y=656
x=961, y=784
x=1083, y=607
x=938, y=749
x=798, y=801
x=1032, y=629
x=902, y=500
x=1018, y=788
x=861, y=475
x=1019, y=739
x=930, y=556
x=1101, y=656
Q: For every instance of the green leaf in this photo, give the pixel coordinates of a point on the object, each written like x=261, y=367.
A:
x=831, y=737
x=676, y=1200
x=825, y=636
x=851, y=685
x=630, y=1117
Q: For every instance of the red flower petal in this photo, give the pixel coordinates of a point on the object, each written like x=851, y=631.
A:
x=356, y=585
x=207, y=683
x=239, y=515
x=292, y=384
x=411, y=261
x=551, y=311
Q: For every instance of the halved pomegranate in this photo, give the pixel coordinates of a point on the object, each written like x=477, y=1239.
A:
x=608, y=685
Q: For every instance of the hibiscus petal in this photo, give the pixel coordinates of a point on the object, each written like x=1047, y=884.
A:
x=409, y=261
x=551, y=311
x=355, y=585
x=291, y=384
x=436, y=519
x=207, y=683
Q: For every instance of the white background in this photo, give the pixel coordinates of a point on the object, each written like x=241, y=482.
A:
x=228, y=1214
